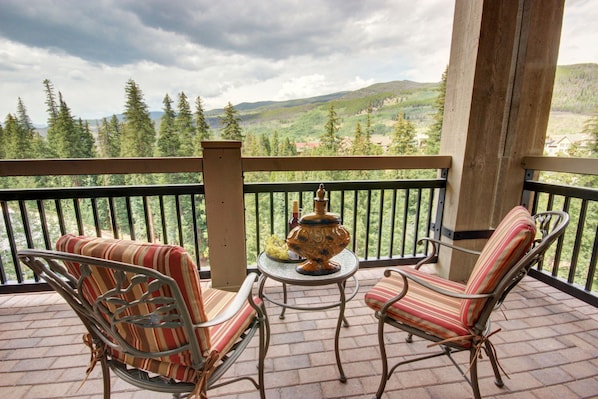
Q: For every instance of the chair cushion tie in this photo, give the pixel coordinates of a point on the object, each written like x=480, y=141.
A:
x=202, y=376
x=478, y=341
x=96, y=354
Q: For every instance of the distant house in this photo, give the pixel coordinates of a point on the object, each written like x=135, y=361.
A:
x=562, y=144
x=310, y=145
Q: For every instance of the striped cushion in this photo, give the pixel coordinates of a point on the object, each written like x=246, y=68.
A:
x=421, y=307
x=175, y=262
x=510, y=241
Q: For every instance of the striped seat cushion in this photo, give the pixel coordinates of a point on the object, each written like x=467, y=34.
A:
x=421, y=307
x=175, y=262
x=508, y=244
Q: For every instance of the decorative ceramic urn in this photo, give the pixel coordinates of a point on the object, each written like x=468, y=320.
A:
x=318, y=237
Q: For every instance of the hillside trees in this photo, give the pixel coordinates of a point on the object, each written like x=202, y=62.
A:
x=591, y=127
x=138, y=132
x=433, y=142
x=185, y=127
x=330, y=140
x=67, y=137
x=168, y=140
x=231, y=130
x=403, y=137
x=108, y=144
x=203, y=129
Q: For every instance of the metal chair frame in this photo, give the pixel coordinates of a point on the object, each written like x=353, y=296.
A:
x=550, y=225
x=170, y=312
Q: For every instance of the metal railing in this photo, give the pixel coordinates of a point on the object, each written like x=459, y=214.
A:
x=385, y=218
x=570, y=264
x=36, y=218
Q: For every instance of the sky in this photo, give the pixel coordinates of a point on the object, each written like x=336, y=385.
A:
x=230, y=50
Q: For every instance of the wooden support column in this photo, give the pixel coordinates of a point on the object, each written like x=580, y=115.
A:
x=223, y=180
x=499, y=89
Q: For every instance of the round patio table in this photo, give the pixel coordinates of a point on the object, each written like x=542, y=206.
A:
x=285, y=273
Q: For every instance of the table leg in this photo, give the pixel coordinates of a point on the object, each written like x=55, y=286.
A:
x=260, y=293
x=345, y=321
x=284, y=300
x=341, y=319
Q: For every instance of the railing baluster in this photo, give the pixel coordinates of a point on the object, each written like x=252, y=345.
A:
x=578, y=237
x=96, y=218
x=405, y=219
x=41, y=210
x=393, y=215
x=78, y=218
x=380, y=223
x=368, y=207
x=130, y=218
x=163, y=220
x=416, y=224
x=592, y=266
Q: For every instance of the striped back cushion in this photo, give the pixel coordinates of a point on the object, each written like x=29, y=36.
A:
x=510, y=241
x=170, y=260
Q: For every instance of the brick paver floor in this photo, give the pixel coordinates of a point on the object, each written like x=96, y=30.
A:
x=548, y=345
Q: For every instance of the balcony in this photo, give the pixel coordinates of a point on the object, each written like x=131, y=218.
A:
x=548, y=344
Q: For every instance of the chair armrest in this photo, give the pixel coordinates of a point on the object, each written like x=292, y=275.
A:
x=438, y=242
x=436, y=247
x=233, y=308
x=406, y=277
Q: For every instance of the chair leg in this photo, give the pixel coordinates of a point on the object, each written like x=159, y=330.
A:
x=263, y=348
x=105, y=376
x=384, y=377
x=409, y=338
x=473, y=373
x=498, y=379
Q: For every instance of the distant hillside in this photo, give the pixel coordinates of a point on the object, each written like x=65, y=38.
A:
x=575, y=98
x=576, y=89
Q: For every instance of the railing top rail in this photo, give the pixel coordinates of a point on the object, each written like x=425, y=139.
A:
x=98, y=166
x=372, y=162
x=101, y=166
x=585, y=166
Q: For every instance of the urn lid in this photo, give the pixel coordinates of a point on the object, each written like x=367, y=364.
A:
x=320, y=216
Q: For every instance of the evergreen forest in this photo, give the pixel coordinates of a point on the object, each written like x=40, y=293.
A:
x=394, y=118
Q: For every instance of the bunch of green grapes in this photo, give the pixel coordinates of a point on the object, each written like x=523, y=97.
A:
x=276, y=247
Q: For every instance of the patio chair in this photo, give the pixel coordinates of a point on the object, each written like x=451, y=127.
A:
x=147, y=318
x=456, y=316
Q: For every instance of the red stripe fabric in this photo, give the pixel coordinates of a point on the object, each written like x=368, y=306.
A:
x=421, y=307
x=508, y=244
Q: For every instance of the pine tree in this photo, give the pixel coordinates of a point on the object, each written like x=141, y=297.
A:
x=330, y=140
x=275, y=146
x=231, y=129
x=265, y=145
x=15, y=147
x=591, y=127
x=52, y=108
x=168, y=139
x=433, y=142
x=359, y=146
x=184, y=126
x=85, y=141
x=369, y=131
x=109, y=138
x=3, y=146
x=138, y=131
x=403, y=137
x=202, y=126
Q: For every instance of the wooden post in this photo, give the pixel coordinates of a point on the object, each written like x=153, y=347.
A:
x=499, y=89
x=223, y=180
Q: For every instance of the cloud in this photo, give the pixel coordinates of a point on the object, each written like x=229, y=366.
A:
x=234, y=50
